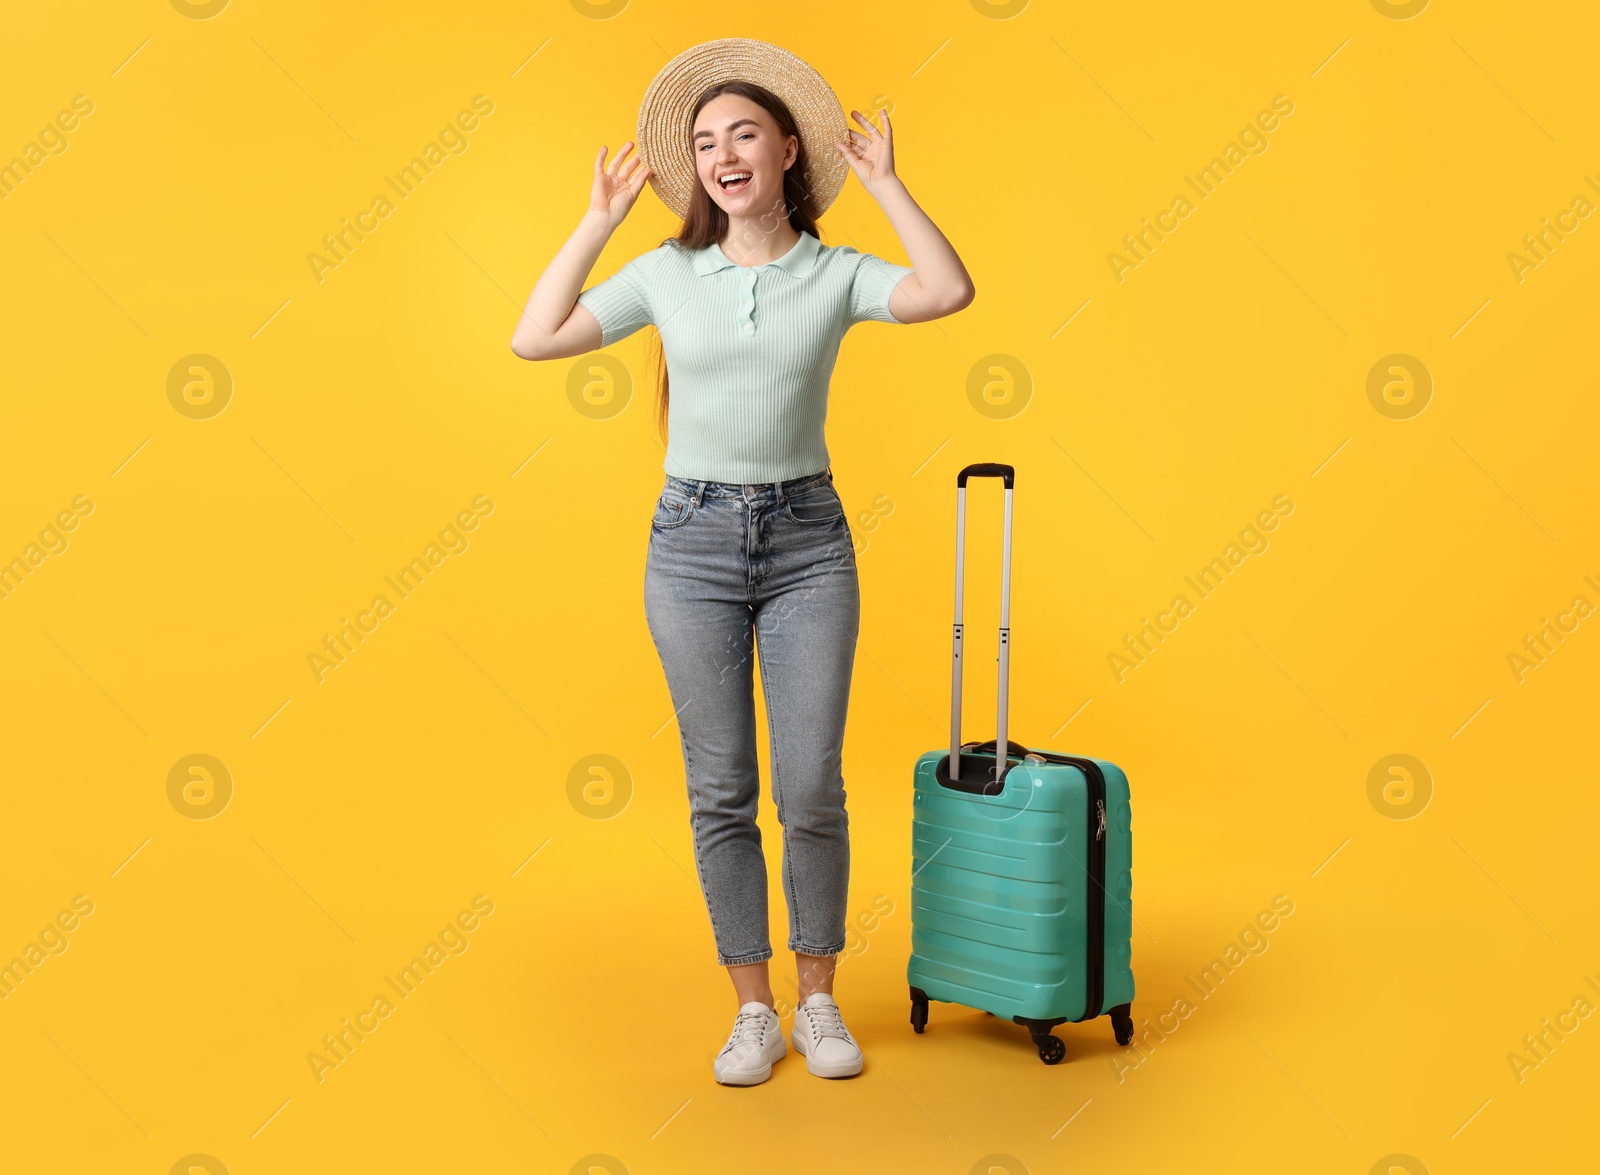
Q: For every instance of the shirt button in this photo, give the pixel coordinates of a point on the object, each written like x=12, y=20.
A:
x=749, y=328
x=747, y=304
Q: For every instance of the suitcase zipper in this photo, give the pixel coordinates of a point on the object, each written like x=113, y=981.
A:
x=1097, y=877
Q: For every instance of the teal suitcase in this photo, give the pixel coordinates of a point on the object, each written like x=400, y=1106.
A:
x=1021, y=882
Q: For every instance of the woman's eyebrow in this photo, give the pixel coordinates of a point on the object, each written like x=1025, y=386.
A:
x=738, y=122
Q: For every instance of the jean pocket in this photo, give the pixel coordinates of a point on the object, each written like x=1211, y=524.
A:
x=815, y=504
x=673, y=509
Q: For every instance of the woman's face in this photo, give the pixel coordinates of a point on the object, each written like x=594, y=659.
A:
x=733, y=136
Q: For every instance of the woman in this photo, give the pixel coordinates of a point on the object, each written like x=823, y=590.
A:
x=749, y=547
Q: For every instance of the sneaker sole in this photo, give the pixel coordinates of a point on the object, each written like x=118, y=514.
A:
x=755, y=1077
x=823, y=1068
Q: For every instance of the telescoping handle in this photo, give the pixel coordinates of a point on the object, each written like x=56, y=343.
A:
x=1009, y=475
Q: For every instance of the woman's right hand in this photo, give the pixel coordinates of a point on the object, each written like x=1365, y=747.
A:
x=617, y=185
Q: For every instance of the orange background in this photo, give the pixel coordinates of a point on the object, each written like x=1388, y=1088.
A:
x=1151, y=419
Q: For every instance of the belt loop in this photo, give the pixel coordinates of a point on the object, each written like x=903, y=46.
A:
x=778, y=492
x=699, y=494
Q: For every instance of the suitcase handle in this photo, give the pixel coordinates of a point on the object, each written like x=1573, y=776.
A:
x=1008, y=475
x=1012, y=747
x=986, y=469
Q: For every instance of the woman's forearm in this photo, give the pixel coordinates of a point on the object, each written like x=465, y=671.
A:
x=942, y=280
x=558, y=287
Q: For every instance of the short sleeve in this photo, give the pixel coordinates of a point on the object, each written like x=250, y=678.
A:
x=621, y=303
x=874, y=280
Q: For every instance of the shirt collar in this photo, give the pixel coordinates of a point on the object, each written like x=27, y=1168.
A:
x=796, y=262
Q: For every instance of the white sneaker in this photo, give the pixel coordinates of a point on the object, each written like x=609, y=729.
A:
x=821, y=1037
x=754, y=1044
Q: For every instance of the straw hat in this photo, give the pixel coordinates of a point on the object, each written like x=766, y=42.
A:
x=664, y=125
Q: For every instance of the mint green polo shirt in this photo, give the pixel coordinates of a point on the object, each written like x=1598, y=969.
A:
x=749, y=350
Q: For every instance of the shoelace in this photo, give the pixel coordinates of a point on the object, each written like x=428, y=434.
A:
x=826, y=1021
x=748, y=1028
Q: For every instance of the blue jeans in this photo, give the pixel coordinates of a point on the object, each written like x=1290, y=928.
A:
x=733, y=570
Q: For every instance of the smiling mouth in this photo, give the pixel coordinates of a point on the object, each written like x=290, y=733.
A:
x=735, y=181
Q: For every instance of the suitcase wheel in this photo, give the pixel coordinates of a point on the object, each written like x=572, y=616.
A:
x=919, y=1009
x=1051, y=1048
x=1122, y=1022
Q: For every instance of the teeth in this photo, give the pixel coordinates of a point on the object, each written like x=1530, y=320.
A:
x=733, y=176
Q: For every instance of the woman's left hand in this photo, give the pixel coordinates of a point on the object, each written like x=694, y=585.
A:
x=870, y=153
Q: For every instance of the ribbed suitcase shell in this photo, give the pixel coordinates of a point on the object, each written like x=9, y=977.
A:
x=1000, y=890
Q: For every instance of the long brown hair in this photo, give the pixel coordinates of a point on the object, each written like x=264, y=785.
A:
x=707, y=222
